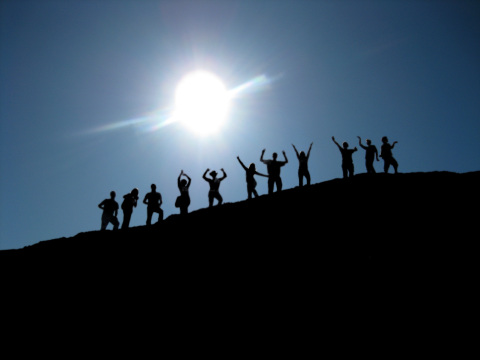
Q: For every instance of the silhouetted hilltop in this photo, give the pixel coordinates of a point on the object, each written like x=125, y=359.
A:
x=365, y=220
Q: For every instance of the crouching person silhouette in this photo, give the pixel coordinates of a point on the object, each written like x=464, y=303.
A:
x=110, y=211
x=251, y=183
x=273, y=169
x=183, y=201
x=347, y=161
x=214, y=183
x=153, y=200
x=129, y=202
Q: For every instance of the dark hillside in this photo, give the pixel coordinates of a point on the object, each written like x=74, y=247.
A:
x=395, y=254
x=367, y=221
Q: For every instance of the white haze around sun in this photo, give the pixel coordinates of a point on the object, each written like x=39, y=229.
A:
x=201, y=102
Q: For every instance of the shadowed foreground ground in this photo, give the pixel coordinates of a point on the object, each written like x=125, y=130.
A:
x=381, y=251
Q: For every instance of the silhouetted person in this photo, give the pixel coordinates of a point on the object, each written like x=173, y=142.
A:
x=347, y=161
x=183, y=201
x=214, y=183
x=251, y=171
x=370, y=154
x=387, y=156
x=153, y=200
x=273, y=169
x=129, y=202
x=110, y=211
x=303, y=165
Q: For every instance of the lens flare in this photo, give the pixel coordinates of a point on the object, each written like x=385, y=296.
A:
x=201, y=104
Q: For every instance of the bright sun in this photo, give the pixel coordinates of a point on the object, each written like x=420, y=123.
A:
x=201, y=102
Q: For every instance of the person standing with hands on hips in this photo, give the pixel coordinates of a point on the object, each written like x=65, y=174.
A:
x=153, y=200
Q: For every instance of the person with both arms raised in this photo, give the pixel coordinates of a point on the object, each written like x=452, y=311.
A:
x=214, y=183
x=273, y=169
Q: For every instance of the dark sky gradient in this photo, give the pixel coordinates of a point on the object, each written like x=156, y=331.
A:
x=87, y=86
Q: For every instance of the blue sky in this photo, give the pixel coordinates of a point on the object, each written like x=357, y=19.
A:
x=86, y=88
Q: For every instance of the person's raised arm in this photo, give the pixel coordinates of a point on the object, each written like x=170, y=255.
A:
x=360, y=143
x=224, y=175
x=285, y=156
x=205, y=174
x=393, y=144
x=178, y=180
x=296, y=152
x=333, y=138
x=241, y=163
x=189, y=180
x=309, y=149
x=261, y=157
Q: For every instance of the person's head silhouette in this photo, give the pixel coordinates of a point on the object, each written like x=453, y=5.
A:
x=134, y=192
x=252, y=167
x=153, y=187
x=274, y=156
x=112, y=194
x=345, y=145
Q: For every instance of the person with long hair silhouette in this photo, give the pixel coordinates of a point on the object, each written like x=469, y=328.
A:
x=214, y=183
x=303, y=165
x=347, y=160
x=129, y=202
x=110, y=212
x=183, y=201
x=370, y=153
x=387, y=156
x=153, y=200
x=273, y=169
x=251, y=171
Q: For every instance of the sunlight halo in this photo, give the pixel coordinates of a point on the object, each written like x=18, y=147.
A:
x=201, y=102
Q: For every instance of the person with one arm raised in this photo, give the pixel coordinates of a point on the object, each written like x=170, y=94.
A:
x=251, y=182
x=347, y=161
x=370, y=153
x=387, y=156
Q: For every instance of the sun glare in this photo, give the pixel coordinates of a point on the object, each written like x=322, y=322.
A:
x=201, y=102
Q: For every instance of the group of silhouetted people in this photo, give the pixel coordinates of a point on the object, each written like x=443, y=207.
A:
x=153, y=199
x=371, y=153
